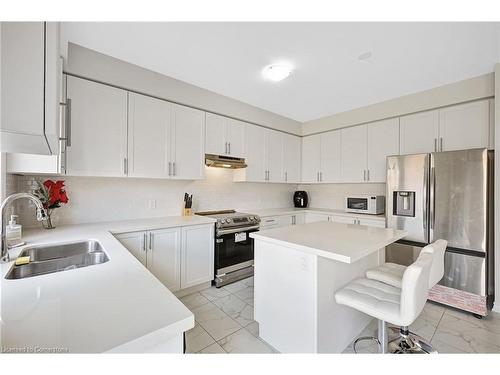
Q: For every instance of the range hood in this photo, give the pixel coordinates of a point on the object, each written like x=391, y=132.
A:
x=221, y=161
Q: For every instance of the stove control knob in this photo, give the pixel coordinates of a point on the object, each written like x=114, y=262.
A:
x=223, y=221
x=228, y=220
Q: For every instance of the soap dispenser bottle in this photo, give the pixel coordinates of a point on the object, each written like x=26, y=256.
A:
x=13, y=233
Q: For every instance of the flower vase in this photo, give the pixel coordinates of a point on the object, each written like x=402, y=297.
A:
x=48, y=223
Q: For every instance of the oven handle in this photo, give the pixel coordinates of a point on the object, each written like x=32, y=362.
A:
x=221, y=232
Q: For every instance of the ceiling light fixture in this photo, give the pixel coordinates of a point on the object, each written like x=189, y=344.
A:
x=277, y=72
x=365, y=56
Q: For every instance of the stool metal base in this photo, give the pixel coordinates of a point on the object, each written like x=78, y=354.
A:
x=410, y=343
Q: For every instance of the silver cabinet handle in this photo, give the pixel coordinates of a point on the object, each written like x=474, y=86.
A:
x=367, y=175
x=144, y=242
x=225, y=149
x=174, y=172
x=125, y=166
x=320, y=176
x=317, y=177
x=286, y=176
x=293, y=220
x=229, y=148
x=169, y=168
x=432, y=198
x=150, y=240
x=364, y=174
x=435, y=144
x=68, y=122
x=441, y=144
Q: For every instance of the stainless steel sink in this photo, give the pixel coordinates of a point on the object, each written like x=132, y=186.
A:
x=56, y=258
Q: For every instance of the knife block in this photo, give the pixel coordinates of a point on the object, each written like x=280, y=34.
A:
x=187, y=212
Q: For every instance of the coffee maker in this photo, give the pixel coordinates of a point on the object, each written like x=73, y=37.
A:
x=300, y=199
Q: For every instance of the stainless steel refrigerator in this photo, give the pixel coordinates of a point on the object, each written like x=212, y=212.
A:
x=446, y=195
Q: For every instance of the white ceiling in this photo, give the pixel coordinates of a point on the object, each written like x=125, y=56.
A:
x=227, y=58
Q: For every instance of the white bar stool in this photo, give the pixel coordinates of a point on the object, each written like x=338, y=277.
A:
x=392, y=274
x=398, y=306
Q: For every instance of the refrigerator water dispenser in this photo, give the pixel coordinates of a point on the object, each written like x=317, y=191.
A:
x=404, y=203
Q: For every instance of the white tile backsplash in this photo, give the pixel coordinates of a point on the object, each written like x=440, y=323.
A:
x=333, y=195
x=94, y=199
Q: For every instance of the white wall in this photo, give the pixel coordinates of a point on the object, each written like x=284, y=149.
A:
x=107, y=199
x=93, y=65
x=332, y=195
x=497, y=190
x=454, y=93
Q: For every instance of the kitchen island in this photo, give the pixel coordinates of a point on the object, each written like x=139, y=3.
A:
x=298, y=269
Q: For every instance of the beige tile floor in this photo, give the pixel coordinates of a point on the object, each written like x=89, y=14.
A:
x=224, y=324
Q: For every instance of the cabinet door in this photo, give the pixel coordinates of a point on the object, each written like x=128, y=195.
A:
x=343, y=219
x=353, y=155
x=291, y=158
x=135, y=242
x=98, y=129
x=330, y=157
x=164, y=256
x=311, y=155
x=148, y=136
x=255, y=140
x=188, y=143
x=285, y=221
x=372, y=222
x=312, y=217
x=464, y=126
x=419, y=132
x=274, y=156
x=236, y=138
x=215, y=139
x=383, y=141
x=197, y=255
x=22, y=87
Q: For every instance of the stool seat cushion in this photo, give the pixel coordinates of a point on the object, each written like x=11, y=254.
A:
x=388, y=273
x=372, y=297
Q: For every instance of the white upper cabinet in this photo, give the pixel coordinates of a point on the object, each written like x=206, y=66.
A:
x=330, y=165
x=311, y=158
x=29, y=84
x=188, y=143
x=464, y=126
x=274, y=156
x=382, y=141
x=149, y=122
x=255, y=144
x=224, y=136
x=236, y=138
x=164, y=256
x=419, y=132
x=291, y=158
x=98, y=129
x=458, y=127
x=354, y=154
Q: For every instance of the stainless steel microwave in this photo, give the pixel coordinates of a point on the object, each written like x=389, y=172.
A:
x=365, y=204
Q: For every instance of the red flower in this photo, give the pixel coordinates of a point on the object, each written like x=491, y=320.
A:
x=57, y=193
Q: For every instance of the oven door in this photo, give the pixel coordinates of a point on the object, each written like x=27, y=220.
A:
x=357, y=204
x=233, y=251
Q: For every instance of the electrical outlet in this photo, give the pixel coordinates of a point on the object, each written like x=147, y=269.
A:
x=152, y=204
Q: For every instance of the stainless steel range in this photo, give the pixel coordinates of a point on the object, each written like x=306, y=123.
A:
x=233, y=245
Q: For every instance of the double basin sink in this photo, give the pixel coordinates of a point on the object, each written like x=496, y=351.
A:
x=56, y=258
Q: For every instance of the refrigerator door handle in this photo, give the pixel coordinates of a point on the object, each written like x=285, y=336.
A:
x=424, y=202
x=432, y=200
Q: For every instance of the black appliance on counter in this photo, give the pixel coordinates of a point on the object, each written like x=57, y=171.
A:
x=300, y=199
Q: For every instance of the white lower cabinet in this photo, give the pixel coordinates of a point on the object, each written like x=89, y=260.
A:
x=197, y=255
x=178, y=257
x=312, y=217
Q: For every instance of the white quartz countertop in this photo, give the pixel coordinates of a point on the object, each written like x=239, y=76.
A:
x=326, y=211
x=346, y=243
x=96, y=308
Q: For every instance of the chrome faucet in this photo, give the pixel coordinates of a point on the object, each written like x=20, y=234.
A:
x=40, y=215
